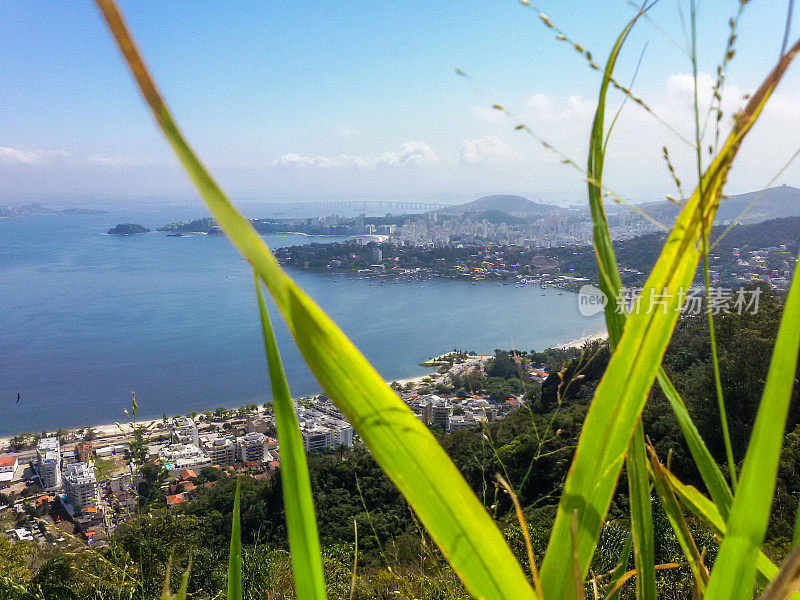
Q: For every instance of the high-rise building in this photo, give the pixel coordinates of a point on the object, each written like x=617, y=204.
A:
x=184, y=431
x=221, y=451
x=48, y=462
x=80, y=485
x=252, y=447
x=441, y=412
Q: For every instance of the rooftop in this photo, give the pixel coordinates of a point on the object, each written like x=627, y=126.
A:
x=7, y=461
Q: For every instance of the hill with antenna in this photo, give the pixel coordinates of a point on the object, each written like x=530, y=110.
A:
x=770, y=203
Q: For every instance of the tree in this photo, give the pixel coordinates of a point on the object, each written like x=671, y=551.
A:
x=14, y=558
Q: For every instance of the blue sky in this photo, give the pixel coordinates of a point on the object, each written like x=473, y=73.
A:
x=291, y=99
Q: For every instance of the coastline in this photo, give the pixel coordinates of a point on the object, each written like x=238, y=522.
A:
x=112, y=430
x=600, y=335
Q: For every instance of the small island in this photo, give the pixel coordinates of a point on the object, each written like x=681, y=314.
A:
x=127, y=229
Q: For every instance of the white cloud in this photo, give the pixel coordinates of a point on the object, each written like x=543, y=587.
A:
x=484, y=149
x=31, y=157
x=410, y=153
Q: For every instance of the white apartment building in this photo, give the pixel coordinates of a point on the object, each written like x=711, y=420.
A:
x=320, y=430
x=8, y=466
x=252, y=447
x=80, y=485
x=184, y=431
x=176, y=457
x=48, y=462
x=441, y=413
x=221, y=451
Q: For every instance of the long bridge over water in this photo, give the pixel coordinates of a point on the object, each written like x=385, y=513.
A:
x=372, y=205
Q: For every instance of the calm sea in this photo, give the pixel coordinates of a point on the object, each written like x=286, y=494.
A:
x=86, y=318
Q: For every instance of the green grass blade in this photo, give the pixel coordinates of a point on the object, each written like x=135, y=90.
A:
x=747, y=523
x=678, y=524
x=611, y=284
x=641, y=517
x=710, y=472
x=298, y=502
x=182, y=591
x=621, y=394
x=705, y=510
x=619, y=570
x=400, y=443
x=235, y=555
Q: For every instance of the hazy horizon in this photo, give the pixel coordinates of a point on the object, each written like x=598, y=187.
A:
x=283, y=101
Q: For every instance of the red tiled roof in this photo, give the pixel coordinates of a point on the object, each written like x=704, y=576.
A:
x=7, y=461
x=175, y=499
x=187, y=474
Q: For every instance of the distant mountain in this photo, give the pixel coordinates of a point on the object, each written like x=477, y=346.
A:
x=516, y=206
x=771, y=203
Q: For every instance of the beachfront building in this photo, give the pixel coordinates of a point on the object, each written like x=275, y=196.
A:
x=184, y=431
x=48, y=462
x=253, y=447
x=441, y=413
x=221, y=450
x=8, y=466
x=80, y=485
x=321, y=430
x=176, y=457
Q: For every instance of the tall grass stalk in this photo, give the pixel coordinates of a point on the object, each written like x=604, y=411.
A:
x=400, y=443
x=301, y=522
x=611, y=435
x=704, y=199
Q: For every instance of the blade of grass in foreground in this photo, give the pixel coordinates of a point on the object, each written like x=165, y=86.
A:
x=235, y=555
x=747, y=523
x=298, y=502
x=708, y=512
x=400, y=443
x=622, y=566
x=618, y=400
x=611, y=285
x=166, y=594
x=678, y=524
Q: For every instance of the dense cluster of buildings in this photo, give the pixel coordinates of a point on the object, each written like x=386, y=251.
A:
x=71, y=472
x=773, y=265
x=322, y=425
x=448, y=415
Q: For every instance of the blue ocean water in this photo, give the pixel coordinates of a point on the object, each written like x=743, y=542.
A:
x=86, y=318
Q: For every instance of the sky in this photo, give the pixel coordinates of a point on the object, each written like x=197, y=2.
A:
x=305, y=99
